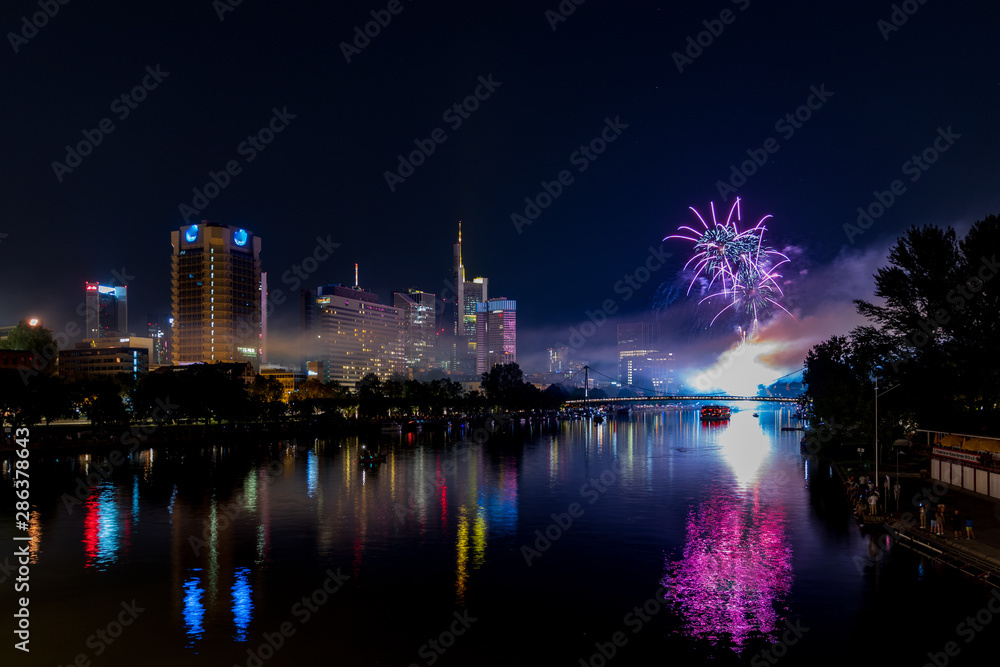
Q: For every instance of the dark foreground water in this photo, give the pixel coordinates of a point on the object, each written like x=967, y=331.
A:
x=647, y=540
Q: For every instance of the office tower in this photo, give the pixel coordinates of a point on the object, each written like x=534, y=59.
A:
x=637, y=342
x=558, y=359
x=468, y=295
x=216, y=295
x=353, y=333
x=496, y=334
x=107, y=311
x=158, y=328
x=417, y=310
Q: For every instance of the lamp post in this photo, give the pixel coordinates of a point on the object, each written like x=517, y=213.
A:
x=876, y=421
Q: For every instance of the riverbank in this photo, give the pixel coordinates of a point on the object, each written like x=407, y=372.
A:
x=978, y=558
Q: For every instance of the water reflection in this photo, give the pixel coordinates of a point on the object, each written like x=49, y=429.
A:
x=194, y=609
x=736, y=567
x=242, y=603
x=735, y=571
x=105, y=532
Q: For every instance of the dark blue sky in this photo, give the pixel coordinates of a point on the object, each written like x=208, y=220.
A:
x=323, y=174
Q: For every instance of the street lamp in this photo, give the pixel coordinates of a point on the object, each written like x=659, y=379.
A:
x=876, y=421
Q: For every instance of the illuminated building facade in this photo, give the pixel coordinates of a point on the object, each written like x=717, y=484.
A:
x=107, y=310
x=289, y=379
x=106, y=356
x=496, y=334
x=216, y=295
x=468, y=296
x=638, y=342
x=419, y=336
x=354, y=334
x=159, y=328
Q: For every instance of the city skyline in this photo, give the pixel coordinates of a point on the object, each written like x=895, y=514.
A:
x=567, y=166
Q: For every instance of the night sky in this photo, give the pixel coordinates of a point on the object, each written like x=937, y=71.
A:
x=887, y=93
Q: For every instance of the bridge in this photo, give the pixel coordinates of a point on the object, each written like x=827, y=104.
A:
x=671, y=399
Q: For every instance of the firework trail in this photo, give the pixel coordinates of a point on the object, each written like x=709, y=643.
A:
x=737, y=264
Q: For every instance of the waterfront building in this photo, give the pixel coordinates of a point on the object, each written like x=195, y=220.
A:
x=107, y=311
x=106, y=356
x=289, y=379
x=217, y=294
x=352, y=334
x=496, y=334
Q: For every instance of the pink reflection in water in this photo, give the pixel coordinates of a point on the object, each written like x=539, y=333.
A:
x=735, y=571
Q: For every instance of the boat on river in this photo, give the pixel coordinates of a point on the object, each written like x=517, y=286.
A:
x=715, y=413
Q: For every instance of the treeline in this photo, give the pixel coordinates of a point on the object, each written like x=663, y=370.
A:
x=930, y=344
x=213, y=394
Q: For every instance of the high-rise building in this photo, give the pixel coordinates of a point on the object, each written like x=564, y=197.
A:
x=353, y=333
x=419, y=336
x=636, y=342
x=158, y=328
x=468, y=295
x=558, y=359
x=216, y=295
x=496, y=334
x=107, y=311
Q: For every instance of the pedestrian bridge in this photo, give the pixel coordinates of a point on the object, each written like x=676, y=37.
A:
x=671, y=399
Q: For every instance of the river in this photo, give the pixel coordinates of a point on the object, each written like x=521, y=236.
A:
x=649, y=539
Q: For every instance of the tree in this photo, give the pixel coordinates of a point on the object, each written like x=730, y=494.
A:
x=939, y=316
x=37, y=339
x=502, y=384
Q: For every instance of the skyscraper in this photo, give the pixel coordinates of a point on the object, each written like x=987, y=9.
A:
x=417, y=311
x=216, y=294
x=496, y=334
x=159, y=328
x=637, y=341
x=467, y=297
x=107, y=311
x=353, y=334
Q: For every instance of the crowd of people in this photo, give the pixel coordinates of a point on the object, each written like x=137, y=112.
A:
x=868, y=500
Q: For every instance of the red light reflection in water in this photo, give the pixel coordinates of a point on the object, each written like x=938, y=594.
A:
x=735, y=571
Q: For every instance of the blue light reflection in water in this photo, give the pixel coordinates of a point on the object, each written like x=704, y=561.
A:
x=242, y=603
x=194, y=609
